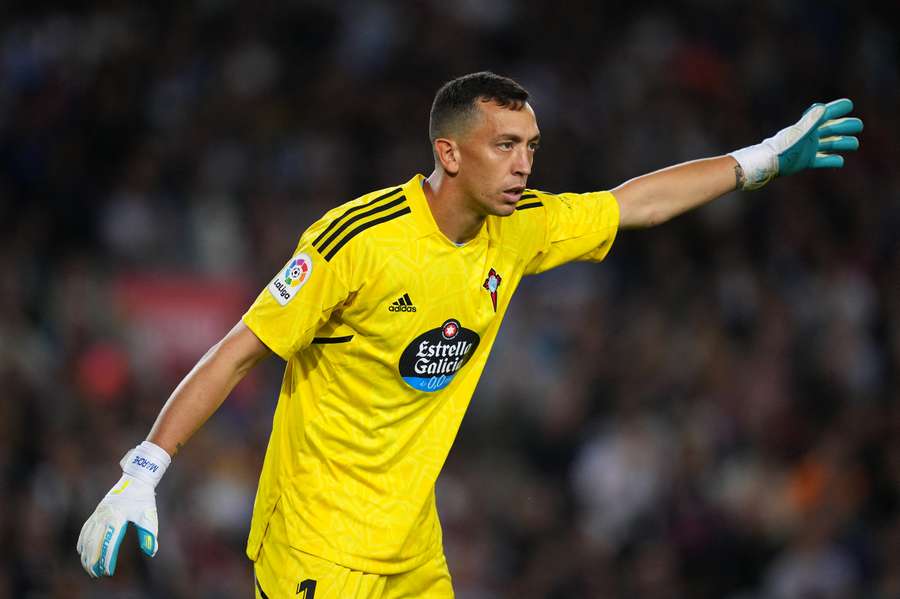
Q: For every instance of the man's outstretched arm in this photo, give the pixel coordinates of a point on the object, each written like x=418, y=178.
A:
x=133, y=498
x=656, y=197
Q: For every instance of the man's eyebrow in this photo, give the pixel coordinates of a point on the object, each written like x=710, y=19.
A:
x=516, y=138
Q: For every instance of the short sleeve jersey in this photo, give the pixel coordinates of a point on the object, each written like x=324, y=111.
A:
x=386, y=325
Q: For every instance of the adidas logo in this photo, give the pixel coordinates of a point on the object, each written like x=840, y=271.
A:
x=404, y=304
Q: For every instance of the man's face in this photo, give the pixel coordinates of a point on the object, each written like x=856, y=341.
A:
x=496, y=154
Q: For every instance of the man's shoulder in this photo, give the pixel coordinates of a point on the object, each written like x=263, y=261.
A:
x=535, y=202
x=368, y=199
x=361, y=217
x=530, y=200
x=529, y=211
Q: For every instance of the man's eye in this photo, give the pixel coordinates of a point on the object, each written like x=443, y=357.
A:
x=534, y=147
x=505, y=145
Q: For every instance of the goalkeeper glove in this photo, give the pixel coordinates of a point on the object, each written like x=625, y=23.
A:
x=132, y=499
x=807, y=144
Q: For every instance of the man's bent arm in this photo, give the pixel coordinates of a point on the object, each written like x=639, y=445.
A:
x=133, y=499
x=656, y=197
x=206, y=386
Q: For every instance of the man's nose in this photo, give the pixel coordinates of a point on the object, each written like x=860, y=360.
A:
x=522, y=164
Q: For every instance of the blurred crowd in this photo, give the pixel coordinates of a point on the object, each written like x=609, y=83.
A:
x=711, y=413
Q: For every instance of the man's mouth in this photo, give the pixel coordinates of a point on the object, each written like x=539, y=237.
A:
x=514, y=193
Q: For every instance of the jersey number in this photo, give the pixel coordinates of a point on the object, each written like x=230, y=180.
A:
x=307, y=588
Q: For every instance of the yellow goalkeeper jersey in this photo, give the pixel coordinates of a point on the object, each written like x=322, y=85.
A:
x=386, y=325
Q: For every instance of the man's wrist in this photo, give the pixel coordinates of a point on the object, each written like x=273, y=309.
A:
x=739, y=177
x=758, y=165
x=147, y=462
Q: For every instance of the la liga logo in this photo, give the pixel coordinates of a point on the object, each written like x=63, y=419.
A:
x=297, y=270
x=288, y=282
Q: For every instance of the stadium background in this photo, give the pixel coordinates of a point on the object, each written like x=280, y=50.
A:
x=710, y=413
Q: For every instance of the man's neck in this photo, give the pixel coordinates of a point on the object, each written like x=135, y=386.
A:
x=450, y=209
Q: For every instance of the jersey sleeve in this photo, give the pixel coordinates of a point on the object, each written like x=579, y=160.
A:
x=577, y=226
x=298, y=300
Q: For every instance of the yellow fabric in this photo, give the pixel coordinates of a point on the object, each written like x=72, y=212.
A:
x=280, y=571
x=385, y=338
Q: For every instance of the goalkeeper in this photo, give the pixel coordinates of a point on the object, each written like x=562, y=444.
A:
x=385, y=315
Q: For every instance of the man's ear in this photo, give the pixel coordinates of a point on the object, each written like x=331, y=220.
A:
x=447, y=153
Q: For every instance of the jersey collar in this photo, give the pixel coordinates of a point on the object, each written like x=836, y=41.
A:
x=423, y=219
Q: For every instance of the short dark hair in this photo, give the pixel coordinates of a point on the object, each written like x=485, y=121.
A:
x=454, y=103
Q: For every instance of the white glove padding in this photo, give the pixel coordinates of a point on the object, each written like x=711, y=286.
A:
x=809, y=143
x=132, y=499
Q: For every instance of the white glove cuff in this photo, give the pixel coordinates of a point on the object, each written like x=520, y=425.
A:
x=759, y=164
x=147, y=462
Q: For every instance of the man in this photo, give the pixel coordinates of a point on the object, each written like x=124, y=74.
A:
x=385, y=315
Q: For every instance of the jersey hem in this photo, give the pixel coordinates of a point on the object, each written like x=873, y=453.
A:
x=354, y=562
x=256, y=328
x=615, y=226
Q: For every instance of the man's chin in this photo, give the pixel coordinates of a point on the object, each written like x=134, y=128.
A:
x=507, y=203
x=504, y=209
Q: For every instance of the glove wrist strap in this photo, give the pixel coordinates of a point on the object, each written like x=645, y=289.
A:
x=147, y=462
x=759, y=165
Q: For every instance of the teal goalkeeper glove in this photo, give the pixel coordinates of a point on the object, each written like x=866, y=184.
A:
x=809, y=143
x=132, y=499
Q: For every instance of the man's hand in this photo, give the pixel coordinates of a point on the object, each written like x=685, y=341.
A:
x=810, y=143
x=132, y=499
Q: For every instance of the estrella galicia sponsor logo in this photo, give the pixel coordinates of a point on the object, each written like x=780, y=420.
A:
x=288, y=282
x=433, y=358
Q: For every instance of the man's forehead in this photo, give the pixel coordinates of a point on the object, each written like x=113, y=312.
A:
x=498, y=119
